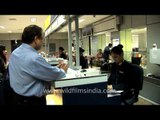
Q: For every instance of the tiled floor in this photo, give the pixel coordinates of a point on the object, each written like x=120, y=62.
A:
x=54, y=99
x=143, y=102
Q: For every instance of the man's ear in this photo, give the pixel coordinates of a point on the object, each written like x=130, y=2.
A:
x=35, y=38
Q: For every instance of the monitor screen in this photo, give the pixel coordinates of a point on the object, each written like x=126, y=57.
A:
x=155, y=56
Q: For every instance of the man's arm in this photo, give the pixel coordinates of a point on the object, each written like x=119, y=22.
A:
x=44, y=71
x=112, y=75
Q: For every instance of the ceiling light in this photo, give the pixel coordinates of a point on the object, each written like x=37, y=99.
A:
x=135, y=35
x=9, y=31
x=81, y=20
x=2, y=27
x=19, y=29
x=33, y=19
x=12, y=18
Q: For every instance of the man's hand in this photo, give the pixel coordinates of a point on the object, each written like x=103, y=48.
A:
x=58, y=65
x=109, y=87
x=64, y=67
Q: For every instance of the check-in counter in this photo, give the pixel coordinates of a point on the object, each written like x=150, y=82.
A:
x=81, y=87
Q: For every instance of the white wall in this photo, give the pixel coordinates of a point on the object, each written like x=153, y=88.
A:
x=85, y=45
x=10, y=36
x=60, y=39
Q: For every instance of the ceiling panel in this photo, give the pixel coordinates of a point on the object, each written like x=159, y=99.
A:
x=17, y=26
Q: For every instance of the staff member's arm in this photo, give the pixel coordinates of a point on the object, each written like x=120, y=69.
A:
x=111, y=78
x=44, y=71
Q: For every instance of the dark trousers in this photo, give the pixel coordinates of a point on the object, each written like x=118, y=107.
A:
x=23, y=100
x=6, y=94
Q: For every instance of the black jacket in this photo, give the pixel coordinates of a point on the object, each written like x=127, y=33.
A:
x=63, y=55
x=106, y=53
x=122, y=77
x=2, y=66
x=83, y=62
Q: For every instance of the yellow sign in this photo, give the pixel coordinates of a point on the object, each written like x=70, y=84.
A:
x=47, y=22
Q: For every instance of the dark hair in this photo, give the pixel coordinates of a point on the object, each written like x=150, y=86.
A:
x=61, y=48
x=2, y=48
x=110, y=44
x=81, y=50
x=100, y=50
x=117, y=50
x=120, y=45
x=30, y=32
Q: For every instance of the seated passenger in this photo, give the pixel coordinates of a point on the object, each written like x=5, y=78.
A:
x=62, y=53
x=99, y=58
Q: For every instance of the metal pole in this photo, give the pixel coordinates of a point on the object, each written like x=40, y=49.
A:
x=89, y=45
x=69, y=42
x=77, y=40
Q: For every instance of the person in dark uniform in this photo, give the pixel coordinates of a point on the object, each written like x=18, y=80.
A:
x=83, y=60
x=61, y=53
x=122, y=76
x=106, y=52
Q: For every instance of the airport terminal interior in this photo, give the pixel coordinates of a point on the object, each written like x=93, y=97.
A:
x=88, y=37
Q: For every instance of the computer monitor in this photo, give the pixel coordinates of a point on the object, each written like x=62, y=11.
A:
x=155, y=56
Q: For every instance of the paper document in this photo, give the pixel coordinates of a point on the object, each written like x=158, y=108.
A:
x=113, y=93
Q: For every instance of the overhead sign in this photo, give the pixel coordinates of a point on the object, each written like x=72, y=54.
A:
x=47, y=22
x=59, y=21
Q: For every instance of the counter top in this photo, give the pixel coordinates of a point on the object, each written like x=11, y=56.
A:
x=75, y=78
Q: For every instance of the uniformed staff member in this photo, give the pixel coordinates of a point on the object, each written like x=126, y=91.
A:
x=29, y=73
x=122, y=76
x=106, y=52
x=121, y=70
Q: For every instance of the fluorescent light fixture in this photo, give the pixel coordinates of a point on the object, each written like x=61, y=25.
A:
x=106, y=33
x=60, y=20
x=33, y=19
x=63, y=30
x=81, y=20
x=139, y=30
x=12, y=18
x=135, y=35
x=2, y=27
x=9, y=31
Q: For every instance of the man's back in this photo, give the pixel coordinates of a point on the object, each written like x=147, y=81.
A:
x=29, y=72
